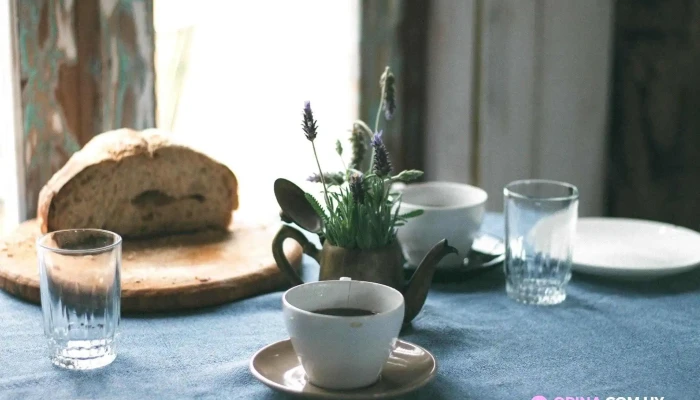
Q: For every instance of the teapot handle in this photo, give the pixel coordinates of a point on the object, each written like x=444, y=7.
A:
x=287, y=232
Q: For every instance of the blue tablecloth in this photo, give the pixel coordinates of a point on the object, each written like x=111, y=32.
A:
x=606, y=340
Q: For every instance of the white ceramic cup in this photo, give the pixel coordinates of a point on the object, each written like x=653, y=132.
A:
x=452, y=211
x=343, y=352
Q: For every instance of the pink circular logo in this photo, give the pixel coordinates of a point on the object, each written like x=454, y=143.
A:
x=539, y=398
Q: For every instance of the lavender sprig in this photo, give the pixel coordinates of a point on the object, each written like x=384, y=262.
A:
x=357, y=188
x=331, y=178
x=339, y=147
x=309, y=123
x=364, y=214
x=309, y=127
x=387, y=83
x=407, y=176
x=382, y=164
x=359, y=147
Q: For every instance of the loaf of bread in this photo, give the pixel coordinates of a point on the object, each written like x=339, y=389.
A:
x=138, y=184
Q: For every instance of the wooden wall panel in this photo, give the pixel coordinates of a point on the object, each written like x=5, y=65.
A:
x=85, y=67
x=655, y=135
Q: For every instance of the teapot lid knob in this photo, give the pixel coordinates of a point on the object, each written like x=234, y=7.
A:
x=344, y=278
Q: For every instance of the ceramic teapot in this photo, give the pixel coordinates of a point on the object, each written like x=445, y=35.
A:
x=384, y=265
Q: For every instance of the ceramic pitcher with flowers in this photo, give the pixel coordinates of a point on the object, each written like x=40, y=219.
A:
x=358, y=214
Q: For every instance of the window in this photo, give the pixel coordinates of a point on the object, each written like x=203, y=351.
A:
x=232, y=78
x=9, y=178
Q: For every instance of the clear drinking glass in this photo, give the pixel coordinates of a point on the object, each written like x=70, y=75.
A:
x=80, y=295
x=540, y=227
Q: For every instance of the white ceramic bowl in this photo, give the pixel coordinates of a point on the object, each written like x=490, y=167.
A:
x=452, y=211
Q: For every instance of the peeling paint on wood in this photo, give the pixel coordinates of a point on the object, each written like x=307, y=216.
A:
x=127, y=81
x=48, y=77
x=85, y=67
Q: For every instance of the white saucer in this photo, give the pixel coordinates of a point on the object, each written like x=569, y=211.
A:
x=634, y=249
x=409, y=367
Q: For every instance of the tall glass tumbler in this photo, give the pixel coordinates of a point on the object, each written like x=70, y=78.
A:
x=80, y=295
x=540, y=228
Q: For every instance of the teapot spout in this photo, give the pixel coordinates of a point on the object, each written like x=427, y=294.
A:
x=416, y=291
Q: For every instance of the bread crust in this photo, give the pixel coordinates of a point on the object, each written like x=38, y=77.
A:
x=114, y=146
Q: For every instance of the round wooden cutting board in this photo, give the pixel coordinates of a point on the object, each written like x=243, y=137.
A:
x=168, y=273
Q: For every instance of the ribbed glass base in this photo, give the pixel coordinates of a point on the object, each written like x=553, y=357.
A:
x=82, y=354
x=537, y=291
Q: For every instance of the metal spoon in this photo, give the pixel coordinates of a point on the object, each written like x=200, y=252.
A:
x=295, y=207
x=487, y=251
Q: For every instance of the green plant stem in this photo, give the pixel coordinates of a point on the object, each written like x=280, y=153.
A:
x=376, y=127
x=365, y=128
x=345, y=167
x=323, y=181
x=379, y=112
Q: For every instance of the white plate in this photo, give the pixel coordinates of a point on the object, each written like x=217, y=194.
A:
x=630, y=248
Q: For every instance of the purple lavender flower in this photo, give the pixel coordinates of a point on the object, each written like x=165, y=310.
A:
x=382, y=164
x=309, y=124
x=357, y=188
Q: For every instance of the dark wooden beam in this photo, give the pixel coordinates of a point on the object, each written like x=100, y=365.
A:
x=394, y=33
x=413, y=45
x=655, y=128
